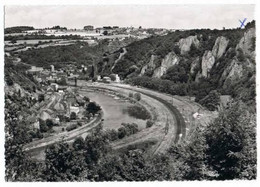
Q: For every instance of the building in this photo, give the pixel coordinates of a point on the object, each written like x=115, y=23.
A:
x=52, y=68
x=35, y=70
x=89, y=28
x=55, y=86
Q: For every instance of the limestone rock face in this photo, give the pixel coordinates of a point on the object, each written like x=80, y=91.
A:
x=185, y=43
x=151, y=64
x=246, y=42
x=231, y=73
x=220, y=47
x=194, y=65
x=169, y=60
x=235, y=71
x=207, y=63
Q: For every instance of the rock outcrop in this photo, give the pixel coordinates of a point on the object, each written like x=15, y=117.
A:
x=169, y=60
x=220, y=47
x=185, y=43
x=246, y=42
x=151, y=65
x=207, y=63
x=235, y=72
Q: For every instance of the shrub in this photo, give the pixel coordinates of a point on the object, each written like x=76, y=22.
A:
x=93, y=108
x=49, y=123
x=137, y=96
x=211, y=101
x=43, y=126
x=71, y=127
x=138, y=112
x=73, y=116
x=121, y=132
x=131, y=95
x=149, y=123
x=41, y=98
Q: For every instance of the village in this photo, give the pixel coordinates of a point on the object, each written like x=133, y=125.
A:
x=60, y=101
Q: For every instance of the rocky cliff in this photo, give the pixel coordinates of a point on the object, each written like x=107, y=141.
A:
x=247, y=42
x=185, y=43
x=169, y=60
x=207, y=63
x=220, y=47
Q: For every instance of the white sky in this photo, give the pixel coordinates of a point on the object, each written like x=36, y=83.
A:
x=156, y=16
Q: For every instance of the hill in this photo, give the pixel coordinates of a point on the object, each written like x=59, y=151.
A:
x=194, y=62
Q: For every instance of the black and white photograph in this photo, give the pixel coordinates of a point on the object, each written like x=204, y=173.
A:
x=129, y=92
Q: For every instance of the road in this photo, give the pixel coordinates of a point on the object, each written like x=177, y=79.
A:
x=119, y=58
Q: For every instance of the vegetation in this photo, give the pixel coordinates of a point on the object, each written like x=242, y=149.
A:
x=138, y=111
x=17, y=29
x=205, y=156
x=73, y=116
x=149, y=123
x=160, y=85
x=137, y=96
x=211, y=101
x=93, y=108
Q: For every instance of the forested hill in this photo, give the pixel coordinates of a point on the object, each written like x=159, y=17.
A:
x=194, y=62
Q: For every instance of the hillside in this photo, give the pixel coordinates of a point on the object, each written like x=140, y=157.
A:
x=194, y=62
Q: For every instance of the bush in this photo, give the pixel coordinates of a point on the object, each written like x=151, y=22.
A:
x=93, y=108
x=137, y=96
x=41, y=98
x=149, y=123
x=86, y=99
x=131, y=95
x=211, y=101
x=9, y=81
x=49, y=123
x=138, y=112
x=71, y=127
x=121, y=132
x=43, y=126
x=73, y=116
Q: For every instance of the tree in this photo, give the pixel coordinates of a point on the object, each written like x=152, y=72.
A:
x=113, y=77
x=149, y=123
x=85, y=98
x=231, y=141
x=93, y=108
x=49, y=123
x=137, y=96
x=73, y=116
x=211, y=101
x=78, y=143
x=43, y=126
x=96, y=146
x=63, y=164
x=41, y=97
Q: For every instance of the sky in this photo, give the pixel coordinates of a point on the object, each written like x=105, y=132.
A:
x=148, y=16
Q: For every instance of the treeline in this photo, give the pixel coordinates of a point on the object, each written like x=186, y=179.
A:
x=160, y=85
x=41, y=37
x=206, y=156
x=17, y=29
x=79, y=53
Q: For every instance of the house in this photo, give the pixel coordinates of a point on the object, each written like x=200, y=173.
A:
x=55, y=86
x=35, y=70
x=74, y=109
x=50, y=90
